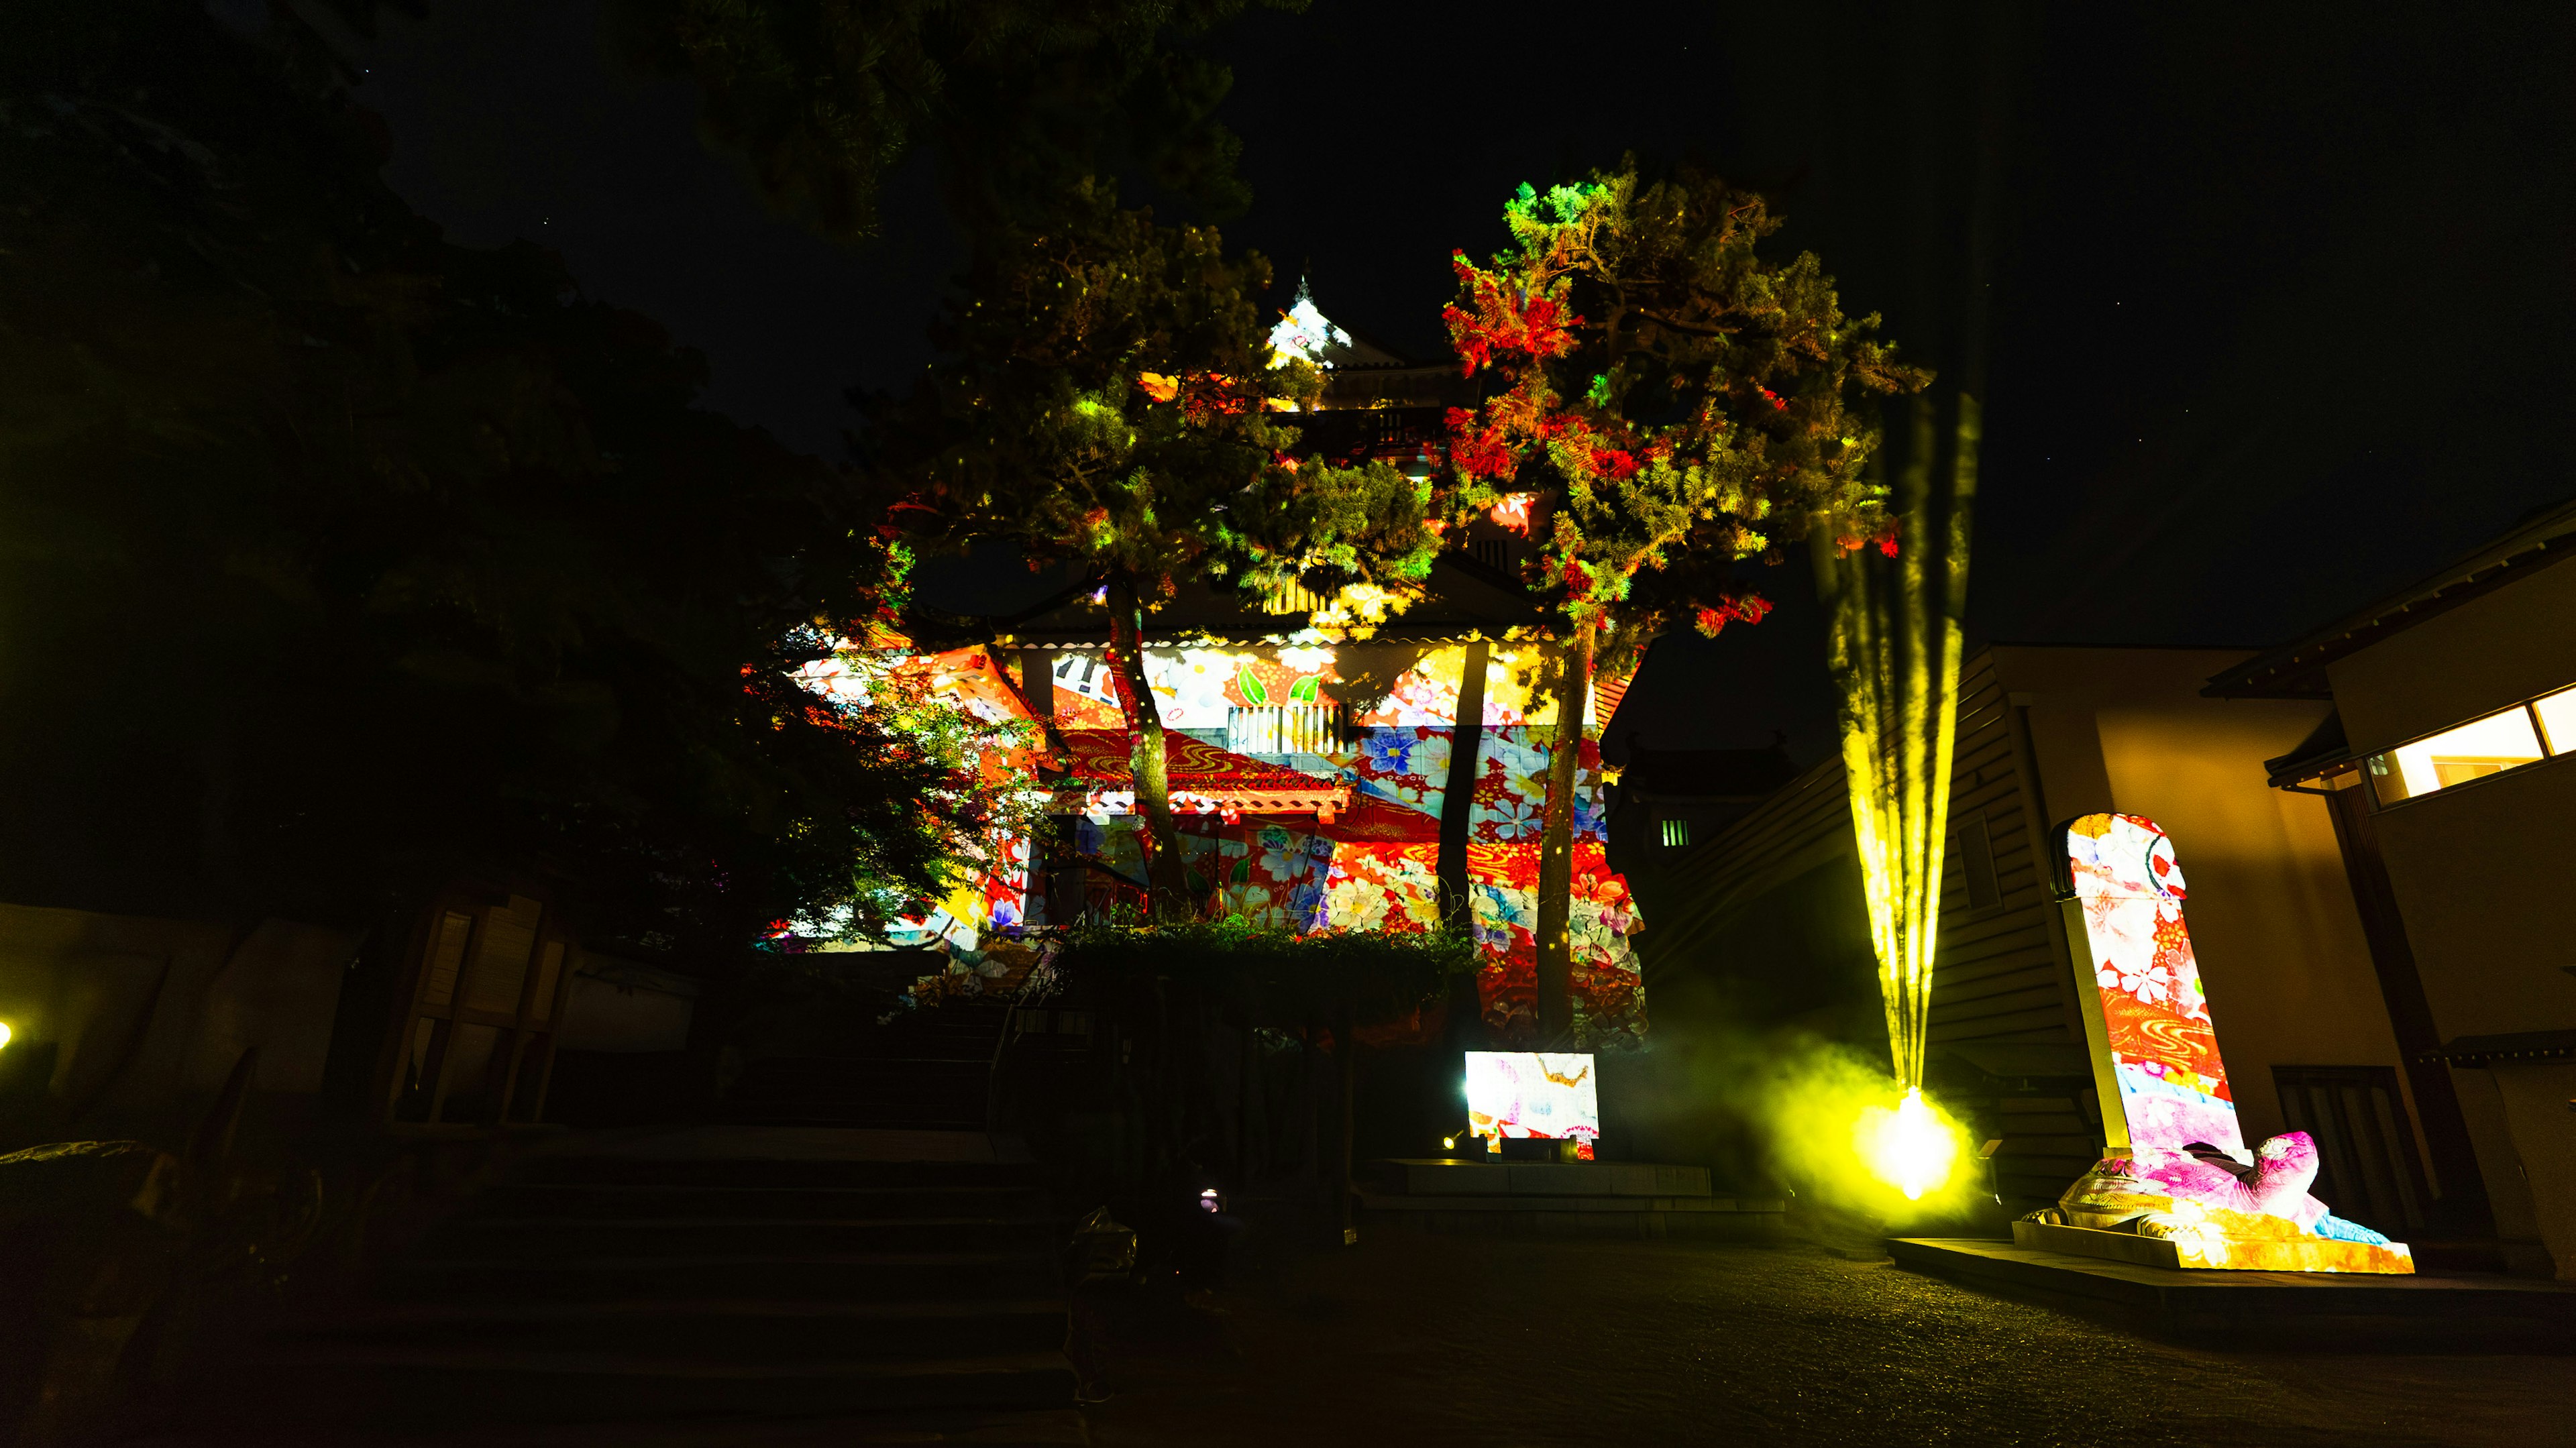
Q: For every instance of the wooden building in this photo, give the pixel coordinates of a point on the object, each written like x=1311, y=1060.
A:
x=1764, y=926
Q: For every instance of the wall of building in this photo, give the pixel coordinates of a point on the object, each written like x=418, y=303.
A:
x=125, y=1025
x=2273, y=924
x=2480, y=876
x=1741, y=930
x=621, y=1006
x=1759, y=932
x=2491, y=651
x=2479, y=871
x=2531, y=1098
x=1999, y=974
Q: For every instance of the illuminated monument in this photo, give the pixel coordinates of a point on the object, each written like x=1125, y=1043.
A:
x=2178, y=1188
x=1326, y=776
x=1322, y=782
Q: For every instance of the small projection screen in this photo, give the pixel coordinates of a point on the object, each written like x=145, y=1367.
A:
x=1545, y=1094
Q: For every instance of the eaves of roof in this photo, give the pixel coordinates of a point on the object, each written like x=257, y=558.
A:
x=2325, y=752
x=1468, y=600
x=2516, y=1046
x=2298, y=670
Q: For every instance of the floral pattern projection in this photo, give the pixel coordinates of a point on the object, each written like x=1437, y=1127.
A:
x=1526, y=1094
x=1372, y=861
x=1298, y=823
x=993, y=896
x=2164, y=1050
x=2173, y=1086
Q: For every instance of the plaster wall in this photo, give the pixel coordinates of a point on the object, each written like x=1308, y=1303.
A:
x=2490, y=1128
x=627, y=1008
x=2481, y=875
x=2536, y=1096
x=2273, y=924
x=2480, y=870
x=143, y=1018
x=2492, y=651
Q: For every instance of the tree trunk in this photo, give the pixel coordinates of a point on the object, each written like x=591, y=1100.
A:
x=1160, y=1104
x=1247, y=1077
x=1556, y=846
x=1309, y=1164
x=1164, y=871
x=1465, y=1027
x=1457, y=798
x=1346, y=1045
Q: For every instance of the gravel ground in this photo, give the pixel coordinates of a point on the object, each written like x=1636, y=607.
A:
x=1428, y=1340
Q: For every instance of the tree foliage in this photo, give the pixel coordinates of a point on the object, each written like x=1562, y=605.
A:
x=343, y=561
x=1677, y=403
x=1273, y=978
x=1680, y=401
x=822, y=99
x=1108, y=403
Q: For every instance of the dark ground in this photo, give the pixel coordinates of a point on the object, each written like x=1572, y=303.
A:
x=1430, y=1340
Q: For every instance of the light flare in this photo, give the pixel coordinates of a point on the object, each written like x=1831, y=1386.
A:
x=1896, y=642
x=1911, y=1148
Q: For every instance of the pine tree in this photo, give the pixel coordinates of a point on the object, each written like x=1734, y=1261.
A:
x=1677, y=403
x=1111, y=404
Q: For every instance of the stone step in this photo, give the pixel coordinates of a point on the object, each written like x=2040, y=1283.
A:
x=660, y=1202
x=853, y=1276
x=921, y=1116
x=873, y=1080
x=866, y=1102
x=964, y=1427
x=771, y=1172
x=480, y=1236
x=432, y=1386
x=917, y=1088
x=951, y=1063
x=713, y=1330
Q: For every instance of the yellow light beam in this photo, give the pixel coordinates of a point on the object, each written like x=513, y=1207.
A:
x=1895, y=646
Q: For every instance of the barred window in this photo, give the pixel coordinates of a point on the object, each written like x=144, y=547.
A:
x=1283, y=729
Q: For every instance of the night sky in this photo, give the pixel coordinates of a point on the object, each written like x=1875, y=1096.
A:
x=2280, y=296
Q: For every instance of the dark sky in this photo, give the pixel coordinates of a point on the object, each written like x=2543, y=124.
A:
x=2280, y=294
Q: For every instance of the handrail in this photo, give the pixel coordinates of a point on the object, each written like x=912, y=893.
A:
x=1037, y=986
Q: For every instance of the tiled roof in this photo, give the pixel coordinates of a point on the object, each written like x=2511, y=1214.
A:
x=1202, y=778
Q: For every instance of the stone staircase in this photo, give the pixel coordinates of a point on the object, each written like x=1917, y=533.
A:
x=760, y=1277
x=932, y=1073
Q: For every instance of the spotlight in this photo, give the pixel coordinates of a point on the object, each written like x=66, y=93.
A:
x=1910, y=1148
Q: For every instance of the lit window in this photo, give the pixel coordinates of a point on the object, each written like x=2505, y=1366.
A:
x=2558, y=720
x=2474, y=750
x=1676, y=833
